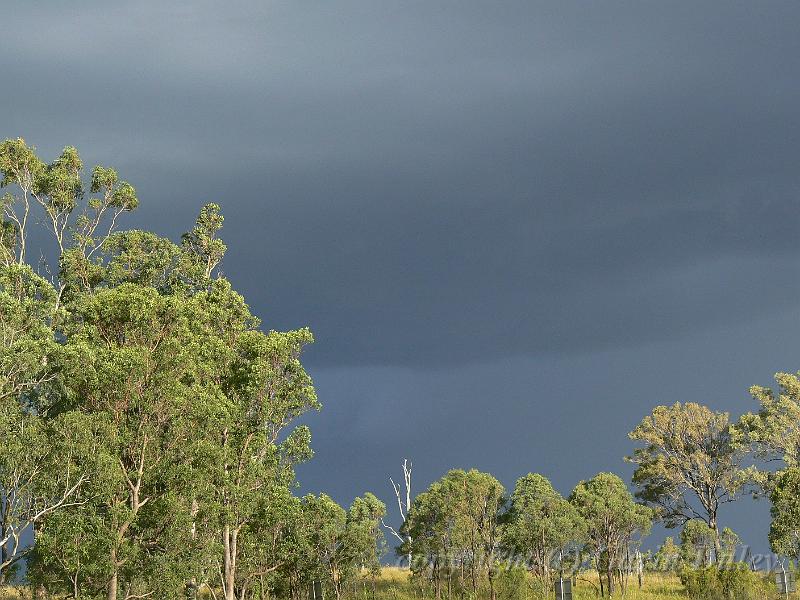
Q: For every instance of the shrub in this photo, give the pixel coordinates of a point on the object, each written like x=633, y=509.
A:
x=511, y=582
x=735, y=582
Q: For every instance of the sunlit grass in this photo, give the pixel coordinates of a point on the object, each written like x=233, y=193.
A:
x=394, y=583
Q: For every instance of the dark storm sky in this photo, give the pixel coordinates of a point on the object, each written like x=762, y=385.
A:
x=513, y=227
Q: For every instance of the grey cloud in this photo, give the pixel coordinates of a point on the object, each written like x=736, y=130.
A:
x=505, y=216
x=430, y=185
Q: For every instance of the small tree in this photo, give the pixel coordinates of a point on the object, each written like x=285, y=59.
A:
x=613, y=522
x=784, y=531
x=542, y=525
x=698, y=541
x=325, y=522
x=668, y=556
x=456, y=522
x=364, y=543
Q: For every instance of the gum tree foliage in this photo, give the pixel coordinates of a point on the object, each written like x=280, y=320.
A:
x=364, y=540
x=340, y=543
x=138, y=355
x=42, y=460
x=697, y=543
x=668, y=556
x=774, y=431
x=455, y=530
x=690, y=463
x=57, y=190
x=130, y=362
x=614, y=522
x=784, y=531
x=543, y=527
x=267, y=390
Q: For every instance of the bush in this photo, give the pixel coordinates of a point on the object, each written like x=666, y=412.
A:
x=736, y=582
x=510, y=583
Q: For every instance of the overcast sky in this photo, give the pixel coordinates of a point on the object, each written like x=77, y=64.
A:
x=514, y=228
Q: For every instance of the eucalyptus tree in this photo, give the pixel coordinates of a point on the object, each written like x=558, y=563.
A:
x=340, y=544
x=543, y=527
x=774, y=431
x=364, y=542
x=429, y=532
x=224, y=438
x=129, y=361
x=138, y=355
x=258, y=438
x=325, y=524
x=268, y=544
x=613, y=520
x=697, y=543
x=78, y=225
x=456, y=521
x=691, y=462
x=784, y=531
x=44, y=461
x=41, y=460
x=668, y=556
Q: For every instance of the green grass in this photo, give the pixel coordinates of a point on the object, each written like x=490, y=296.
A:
x=394, y=584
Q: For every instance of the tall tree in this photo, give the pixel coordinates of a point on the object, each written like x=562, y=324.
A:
x=130, y=362
x=690, y=464
x=259, y=440
x=40, y=471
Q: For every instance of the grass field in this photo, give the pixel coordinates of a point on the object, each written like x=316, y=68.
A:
x=394, y=584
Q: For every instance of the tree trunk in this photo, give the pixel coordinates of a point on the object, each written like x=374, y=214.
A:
x=113, y=583
x=712, y=523
x=191, y=585
x=39, y=592
x=229, y=562
x=437, y=583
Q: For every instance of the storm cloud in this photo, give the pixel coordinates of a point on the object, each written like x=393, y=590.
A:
x=524, y=223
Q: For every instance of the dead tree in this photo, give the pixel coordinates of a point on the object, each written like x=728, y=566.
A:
x=403, y=496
